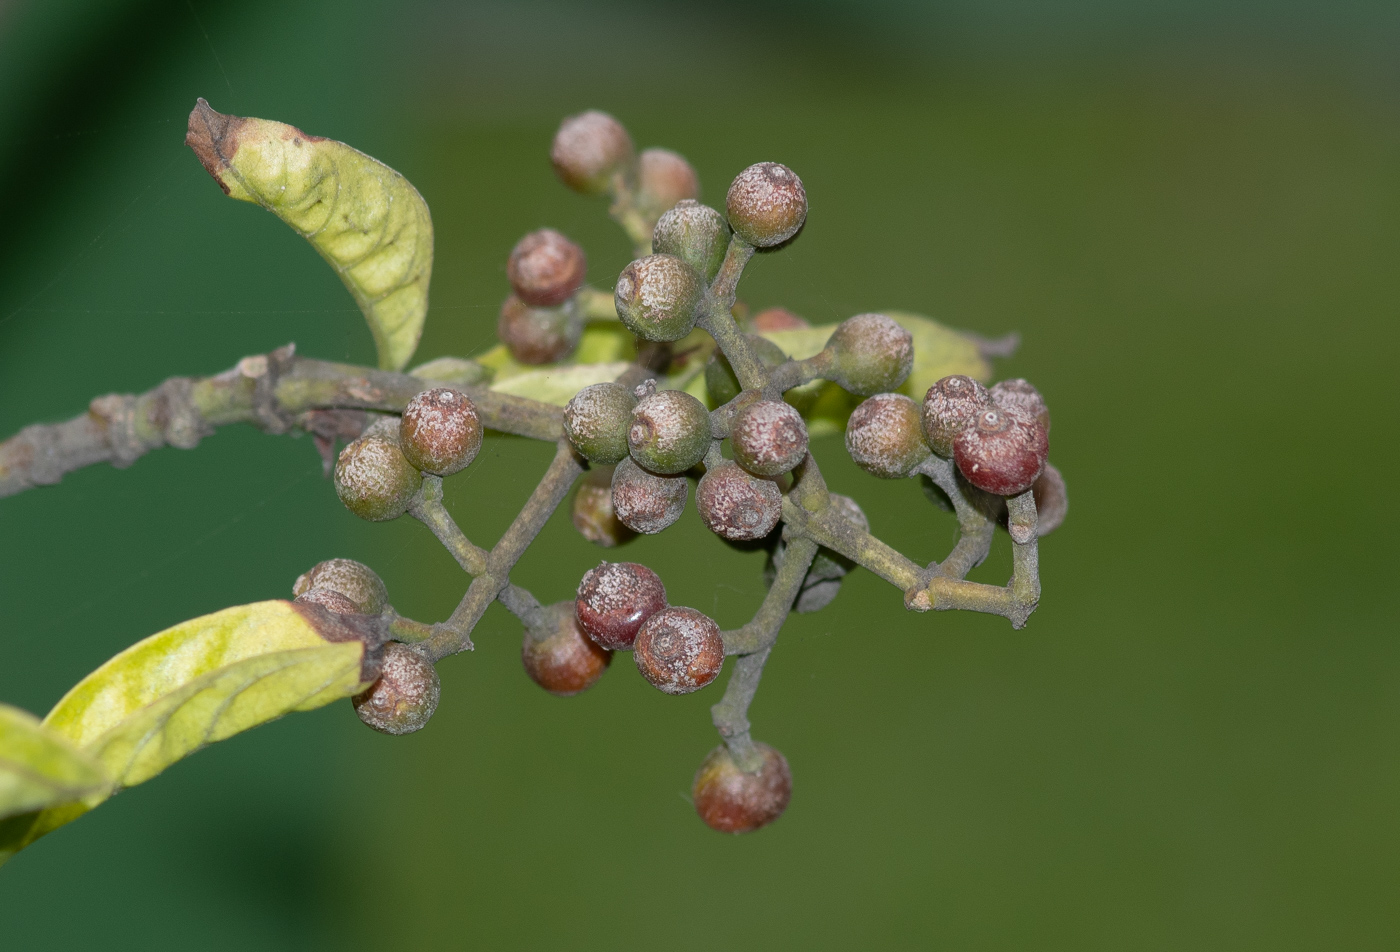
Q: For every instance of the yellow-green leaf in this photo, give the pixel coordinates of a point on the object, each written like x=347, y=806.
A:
x=38, y=768
x=364, y=218
x=556, y=384
x=202, y=681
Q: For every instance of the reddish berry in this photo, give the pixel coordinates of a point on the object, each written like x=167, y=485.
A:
x=545, y=268
x=1002, y=450
x=658, y=297
x=778, y=319
x=670, y=432
x=696, y=234
x=615, y=599
x=405, y=695
x=767, y=204
x=870, y=353
x=722, y=384
x=732, y=801
x=354, y=580
x=664, y=178
x=597, y=419
x=645, y=502
x=1051, y=500
x=950, y=405
x=440, y=432
x=769, y=438
x=559, y=657
x=589, y=149
x=536, y=335
x=374, y=480
x=737, y=506
x=593, y=513
x=679, y=650
x=884, y=436
x=1019, y=393
x=331, y=601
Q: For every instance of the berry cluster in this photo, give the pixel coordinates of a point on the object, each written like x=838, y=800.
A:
x=633, y=445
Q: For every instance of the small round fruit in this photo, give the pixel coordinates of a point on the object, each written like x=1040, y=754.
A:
x=440, y=432
x=596, y=420
x=1051, y=501
x=670, y=432
x=645, y=502
x=870, y=354
x=589, y=149
x=732, y=801
x=593, y=514
x=615, y=600
x=663, y=179
x=950, y=405
x=695, y=233
x=769, y=438
x=767, y=204
x=545, y=268
x=330, y=600
x=355, y=580
x=778, y=319
x=1002, y=451
x=559, y=657
x=536, y=335
x=737, y=506
x=374, y=480
x=1019, y=393
x=658, y=297
x=405, y=695
x=722, y=384
x=884, y=436
x=679, y=650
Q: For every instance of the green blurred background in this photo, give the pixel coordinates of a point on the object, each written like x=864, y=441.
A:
x=1190, y=210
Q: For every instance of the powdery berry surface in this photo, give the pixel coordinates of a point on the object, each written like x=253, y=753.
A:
x=732, y=801
x=545, y=268
x=645, y=502
x=767, y=204
x=738, y=506
x=561, y=658
x=1002, y=451
x=587, y=148
x=948, y=407
x=884, y=436
x=440, y=432
x=1020, y=393
x=769, y=438
x=615, y=600
x=405, y=695
x=679, y=650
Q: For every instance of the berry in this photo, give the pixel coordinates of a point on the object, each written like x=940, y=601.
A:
x=1019, y=393
x=948, y=407
x=596, y=420
x=645, y=502
x=405, y=695
x=658, y=297
x=767, y=204
x=545, y=268
x=737, y=506
x=768, y=437
x=354, y=580
x=1002, y=450
x=374, y=480
x=536, y=335
x=589, y=149
x=778, y=319
x=732, y=801
x=664, y=178
x=696, y=234
x=440, y=432
x=331, y=601
x=722, y=384
x=1051, y=501
x=559, y=657
x=593, y=513
x=615, y=600
x=870, y=354
x=884, y=436
x=679, y=650
x=670, y=432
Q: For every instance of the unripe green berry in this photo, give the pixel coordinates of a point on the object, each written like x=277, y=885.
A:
x=645, y=502
x=1051, y=500
x=769, y=438
x=1020, y=393
x=670, y=432
x=535, y=335
x=1002, y=450
x=440, y=432
x=679, y=650
x=663, y=179
x=589, y=149
x=737, y=506
x=374, y=480
x=884, y=436
x=767, y=204
x=593, y=514
x=545, y=268
x=950, y=405
x=722, y=384
x=732, y=801
x=559, y=657
x=870, y=353
x=658, y=297
x=355, y=580
x=615, y=600
x=405, y=695
x=596, y=420
x=695, y=233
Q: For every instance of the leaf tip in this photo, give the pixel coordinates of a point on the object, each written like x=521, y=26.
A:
x=214, y=138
